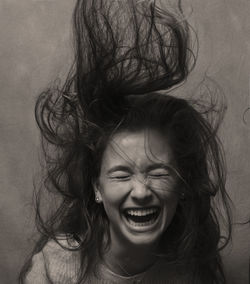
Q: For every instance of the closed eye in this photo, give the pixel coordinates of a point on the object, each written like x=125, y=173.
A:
x=120, y=176
x=159, y=175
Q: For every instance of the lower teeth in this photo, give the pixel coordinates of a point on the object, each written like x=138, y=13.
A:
x=140, y=224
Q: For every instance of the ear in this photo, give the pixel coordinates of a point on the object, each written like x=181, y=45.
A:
x=98, y=195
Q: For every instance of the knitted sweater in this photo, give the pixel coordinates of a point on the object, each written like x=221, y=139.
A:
x=56, y=265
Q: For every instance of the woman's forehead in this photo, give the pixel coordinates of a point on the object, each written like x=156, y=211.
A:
x=139, y=148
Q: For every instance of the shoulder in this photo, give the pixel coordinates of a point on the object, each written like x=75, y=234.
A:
x=57, y=262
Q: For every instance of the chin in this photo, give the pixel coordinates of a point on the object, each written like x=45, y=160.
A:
x=145, y=240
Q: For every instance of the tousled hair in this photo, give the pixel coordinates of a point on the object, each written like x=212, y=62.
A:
x=126, y=52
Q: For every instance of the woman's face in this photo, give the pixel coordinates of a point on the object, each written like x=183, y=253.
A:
x=138, y=187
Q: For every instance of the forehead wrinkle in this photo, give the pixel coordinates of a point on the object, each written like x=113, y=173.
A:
x=147, y=149
x=122, y=154
x=145, y=146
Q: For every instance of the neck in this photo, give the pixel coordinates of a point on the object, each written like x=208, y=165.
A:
x=129, y=260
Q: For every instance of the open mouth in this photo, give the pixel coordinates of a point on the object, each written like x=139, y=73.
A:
x=142, y=216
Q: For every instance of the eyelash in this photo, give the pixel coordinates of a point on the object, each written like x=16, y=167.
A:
x=126, y=177
x=159, y=175
x=122, y=177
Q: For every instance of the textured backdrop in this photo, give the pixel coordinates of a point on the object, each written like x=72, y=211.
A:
x=35, y=48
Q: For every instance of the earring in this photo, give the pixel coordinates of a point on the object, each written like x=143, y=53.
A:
x=97, y=199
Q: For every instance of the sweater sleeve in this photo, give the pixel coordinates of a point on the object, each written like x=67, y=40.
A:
x=56, y=263
x=37, y=273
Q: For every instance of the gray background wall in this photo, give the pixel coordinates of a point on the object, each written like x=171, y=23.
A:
x=35, y=49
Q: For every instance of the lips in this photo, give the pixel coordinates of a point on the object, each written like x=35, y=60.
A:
x=142, y=216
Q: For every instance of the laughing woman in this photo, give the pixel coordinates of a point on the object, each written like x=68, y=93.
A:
x=135, y=170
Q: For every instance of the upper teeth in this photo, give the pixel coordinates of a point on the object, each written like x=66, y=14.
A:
x=141, y=212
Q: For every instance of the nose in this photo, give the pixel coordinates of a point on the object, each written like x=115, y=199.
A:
x=140, y=191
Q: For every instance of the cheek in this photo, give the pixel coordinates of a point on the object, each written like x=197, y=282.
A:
x=171, y=209
x=172, y=201
x=170, y=205
x=113, y=193
x=168, y=195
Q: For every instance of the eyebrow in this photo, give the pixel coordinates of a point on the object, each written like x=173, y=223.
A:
x=159, y=166
x=149, y=168
x=119, y=168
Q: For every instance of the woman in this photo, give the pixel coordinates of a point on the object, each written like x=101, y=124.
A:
x=135, y=171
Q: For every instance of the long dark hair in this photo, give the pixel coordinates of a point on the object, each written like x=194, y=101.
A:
x=125, y=52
